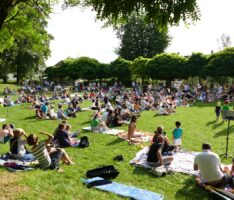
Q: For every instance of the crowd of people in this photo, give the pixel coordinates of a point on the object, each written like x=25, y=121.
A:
x=115, y=106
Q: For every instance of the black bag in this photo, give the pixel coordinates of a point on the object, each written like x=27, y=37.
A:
x=107, y=172
x=84, y=142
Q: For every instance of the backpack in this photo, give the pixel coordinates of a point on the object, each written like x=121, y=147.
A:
x=84, y=142
x=107, y=172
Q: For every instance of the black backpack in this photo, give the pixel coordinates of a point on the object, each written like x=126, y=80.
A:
x=84, y=142
x=107, y=172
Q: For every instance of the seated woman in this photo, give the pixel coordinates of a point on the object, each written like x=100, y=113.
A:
x=160, y=133
x=97, y=125
x=109, y=120
x=17, y=148
x=117, y=121
x=47, y=159
x=62, y=139
x=132, y=130
x=155, y=157
x=71, y=111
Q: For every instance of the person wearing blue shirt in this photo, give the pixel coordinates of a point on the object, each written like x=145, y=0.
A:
x=177, y=136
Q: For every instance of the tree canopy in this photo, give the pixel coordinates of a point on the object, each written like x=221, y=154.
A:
x=140, y=39
x=162, y=12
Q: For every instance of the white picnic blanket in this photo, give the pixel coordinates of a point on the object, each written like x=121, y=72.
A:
x=2, y=119
x=182, y=162
x=109, y=131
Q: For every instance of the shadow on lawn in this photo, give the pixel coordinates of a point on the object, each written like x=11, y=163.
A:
x=142, y=171
x=224, y=132
x=189, y=190
x=116, y=141
x=210, y=123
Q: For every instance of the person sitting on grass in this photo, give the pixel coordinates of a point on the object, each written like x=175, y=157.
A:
x=132, y=135
x=167, y=147
x=155, y=158
x=97, y=124
x=60, y=113
x=17, y=148
x=6, y=133
x=210, y=168
x=62, y=138
x=47, y=160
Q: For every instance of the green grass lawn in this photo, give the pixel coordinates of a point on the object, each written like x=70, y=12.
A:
x=197, y=122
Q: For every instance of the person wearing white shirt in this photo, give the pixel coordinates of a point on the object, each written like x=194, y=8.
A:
x=209, y=165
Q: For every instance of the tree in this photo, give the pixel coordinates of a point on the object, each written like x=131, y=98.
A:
x=220, y=64
x=140, y=39
x=162, y=12
x=195, y=64
x=224, y=41
x=29, y=46
x=139, y=67
x=166, y=67
x=120, y=69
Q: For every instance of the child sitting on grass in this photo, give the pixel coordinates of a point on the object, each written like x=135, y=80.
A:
x=47, y=160
x=177, y=136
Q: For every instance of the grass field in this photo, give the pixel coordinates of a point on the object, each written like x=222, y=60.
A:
x=197, y=122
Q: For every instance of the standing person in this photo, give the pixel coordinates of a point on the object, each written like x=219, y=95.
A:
x=225, y=108
x=210, y=167
x=47, y=160
x=177, y=136
x=218, y=110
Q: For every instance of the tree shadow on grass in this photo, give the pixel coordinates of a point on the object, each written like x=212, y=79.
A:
x=190, y=191
x=116, y=141
x=210, y=123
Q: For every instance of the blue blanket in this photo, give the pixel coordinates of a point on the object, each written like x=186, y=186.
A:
x=125, y=191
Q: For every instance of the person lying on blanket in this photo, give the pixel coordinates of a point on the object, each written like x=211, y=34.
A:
x=209, y=165
x=17, y=148
x=48, y=159
x=155, y=157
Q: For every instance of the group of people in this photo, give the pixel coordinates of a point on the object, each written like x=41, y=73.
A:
x=48, y=152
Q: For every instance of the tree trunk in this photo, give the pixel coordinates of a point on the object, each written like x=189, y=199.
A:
x=168, y=84
x=4, y=79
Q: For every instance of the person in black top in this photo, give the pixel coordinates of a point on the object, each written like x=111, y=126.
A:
x=155, y=157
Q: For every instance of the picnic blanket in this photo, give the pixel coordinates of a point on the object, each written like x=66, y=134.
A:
x=2, y=119
x=124, y=190
x=141, y=137
x=109, y=131
x=16, y=165
x=182, y=162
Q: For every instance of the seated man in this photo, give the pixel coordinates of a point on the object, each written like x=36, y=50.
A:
x=210, y=167
x=155, y=158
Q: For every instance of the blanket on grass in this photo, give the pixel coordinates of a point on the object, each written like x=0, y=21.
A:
x=2, y=119
x=141, y=137
x=182, y=162
x=109, y=131
x=16, y=165
x=124, y=190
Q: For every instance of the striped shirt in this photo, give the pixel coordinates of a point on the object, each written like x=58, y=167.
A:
x=41, y=154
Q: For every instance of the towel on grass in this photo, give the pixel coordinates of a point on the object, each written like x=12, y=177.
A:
x=141, y=137
x=125, y=191
x=182, y=162
x=109, y=131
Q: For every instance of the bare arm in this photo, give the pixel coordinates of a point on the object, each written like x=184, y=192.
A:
x=159, y=155
x=195, y=167
x=50, y=137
